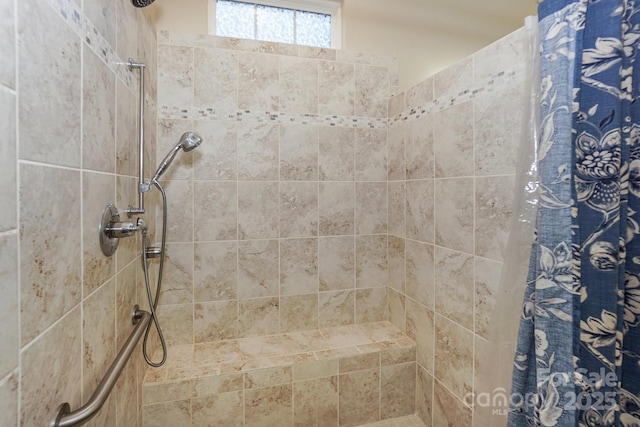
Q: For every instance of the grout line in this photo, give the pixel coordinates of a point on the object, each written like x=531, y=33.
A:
x=317, y=152
x=354, y=139
x=82, y=180
x=45, y=331
x=433, y=310
x=279, y=159
x=193, y=221
x=18, y=369
x=388, y=281
x=237, y=280
x=455, y=396
x=82, y=213
x=474, y=244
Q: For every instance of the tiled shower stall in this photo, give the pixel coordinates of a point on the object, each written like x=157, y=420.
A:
x=320, y=198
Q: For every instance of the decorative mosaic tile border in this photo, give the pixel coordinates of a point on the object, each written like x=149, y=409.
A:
x=83, y=27
x=71, y=12
x=203, y=113
x=501, y=80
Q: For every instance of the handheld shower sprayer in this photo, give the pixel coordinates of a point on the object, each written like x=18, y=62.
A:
x=188, y=141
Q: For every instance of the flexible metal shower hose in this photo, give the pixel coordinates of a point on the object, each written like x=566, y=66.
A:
x=153, y=304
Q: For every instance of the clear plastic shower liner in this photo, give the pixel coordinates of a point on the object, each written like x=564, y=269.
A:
x=494, y=356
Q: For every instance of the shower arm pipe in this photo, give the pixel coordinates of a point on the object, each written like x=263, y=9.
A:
x=66, y=418
x=142, y=186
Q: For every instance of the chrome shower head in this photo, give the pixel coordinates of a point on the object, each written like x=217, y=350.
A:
x=188, y=141
x=142, y=3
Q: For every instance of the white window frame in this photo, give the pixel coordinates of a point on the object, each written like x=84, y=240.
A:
x=327, y=7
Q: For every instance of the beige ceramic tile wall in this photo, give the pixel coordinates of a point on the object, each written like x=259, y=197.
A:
x=278, y=221
x=69, y=147
x=451, y=181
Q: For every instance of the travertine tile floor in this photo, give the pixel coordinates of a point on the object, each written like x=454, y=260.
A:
x=408, y=421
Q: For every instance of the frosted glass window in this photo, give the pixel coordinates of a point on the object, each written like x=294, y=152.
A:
x=313, y=29
x=235, y=19
x=276, y=24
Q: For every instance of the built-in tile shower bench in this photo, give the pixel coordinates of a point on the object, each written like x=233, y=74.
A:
x=346, y=375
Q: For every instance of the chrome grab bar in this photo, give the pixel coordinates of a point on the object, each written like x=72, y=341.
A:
x=66, y=418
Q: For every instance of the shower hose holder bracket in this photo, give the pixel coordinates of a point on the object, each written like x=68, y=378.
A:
x=145, y=186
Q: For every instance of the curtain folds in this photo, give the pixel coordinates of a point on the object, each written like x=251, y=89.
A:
x=577, y=360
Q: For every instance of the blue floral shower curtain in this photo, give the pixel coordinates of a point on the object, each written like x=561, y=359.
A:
x=577, y=361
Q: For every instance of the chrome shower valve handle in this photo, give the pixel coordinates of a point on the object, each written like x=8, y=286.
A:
x=121, y=229
x=111, y=229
